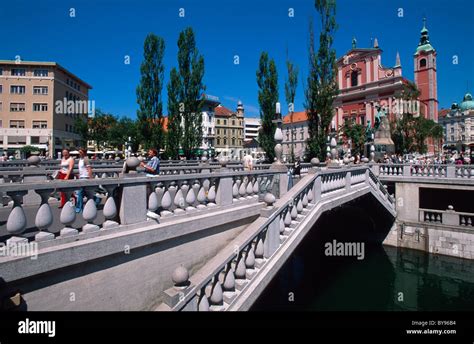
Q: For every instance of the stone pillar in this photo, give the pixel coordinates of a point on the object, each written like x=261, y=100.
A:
x=317, y=190
x=406, y=170
x=348, y=180
x=451, y=171
x=224, y=191
x=133, y=205
x=272, y=235
x=450, y=217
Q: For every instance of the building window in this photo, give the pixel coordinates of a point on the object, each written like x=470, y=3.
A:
x=1, y=88
x=40, y=90
x=362, y=120
x=17, y=140
x=422, y=63
x=40, y=124
x=463, y=138
x=17, y=107
x=452, y=130
x=301, y=135
x=40, y=72
x=218, y=131
x=225, y=141
x=1, y=71
x=15, y=89
x=225, y=122
x=233, y=141
x=218, y=121
x=17, y=123
x=354, y=78
x=233, y=122
x=18, y=72
x=218, y=141
x=40, y=107
x=225, y=131
x=452, y=137
x=1, y=108
x=1, y=123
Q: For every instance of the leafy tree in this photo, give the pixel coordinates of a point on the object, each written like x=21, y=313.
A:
x=411, y=131
x=356, y=133
x=27, y=150
x=290, y=91
x=150, y=112
x=267, y=80
x=120, y=131
x=321, y=83
x=186, y=89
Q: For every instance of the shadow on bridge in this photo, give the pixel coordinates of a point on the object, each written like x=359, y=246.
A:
x=311, y=280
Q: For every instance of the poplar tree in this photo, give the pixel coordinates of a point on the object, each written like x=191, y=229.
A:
x=322, y=86
x=290, y=92
x=174, y=134
x=267, y=80
x=150, y=105
x=188, y=81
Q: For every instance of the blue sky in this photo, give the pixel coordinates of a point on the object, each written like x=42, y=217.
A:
x=93, y=44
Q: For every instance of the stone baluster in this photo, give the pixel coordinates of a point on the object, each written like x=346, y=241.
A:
x=44, y=216
x=217, y=296
x=166, y=200
x=211, y=194
x=16, y=222
x=191, y=197
x=89, y=213
x=242, y=188
x=67, y=217
x=203, y=304
x=179, y=198
x=110, y=208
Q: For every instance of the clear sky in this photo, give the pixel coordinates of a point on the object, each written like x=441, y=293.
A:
x=93, y=44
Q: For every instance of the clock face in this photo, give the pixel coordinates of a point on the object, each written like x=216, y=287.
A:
x=389, y=73
x=353, y=66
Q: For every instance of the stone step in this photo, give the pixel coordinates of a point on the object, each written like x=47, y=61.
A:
x=283, y=239
x=240, y=284
x=229, y=296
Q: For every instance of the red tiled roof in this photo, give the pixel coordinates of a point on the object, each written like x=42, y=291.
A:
x=443, y=112
x=222, y=111
x=300, y=116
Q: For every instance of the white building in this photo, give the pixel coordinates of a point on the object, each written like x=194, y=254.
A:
x=295, y=133
x=251, y=128
x=208, y=121
x=458, y=124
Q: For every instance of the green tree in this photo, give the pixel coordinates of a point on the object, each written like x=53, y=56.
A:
x=173, y=137
x=291, y=83
x=28, y=150
x=150, y=111
x=321, y=83
x=267, y=80
x=356, y=133
x=187, y=98
x=120, y=131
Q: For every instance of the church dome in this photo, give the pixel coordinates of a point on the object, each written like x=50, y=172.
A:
x=467, y=103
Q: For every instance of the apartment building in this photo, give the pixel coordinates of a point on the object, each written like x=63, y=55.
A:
x=251, y=128
x=40, y=103
x=229, y=131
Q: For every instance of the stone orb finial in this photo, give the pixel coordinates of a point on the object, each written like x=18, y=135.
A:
x=180, y=276
x=223, y=161
x=269, y=199
x=315, y=161
x=132, y=163
x=34, y=160
x=450, y=207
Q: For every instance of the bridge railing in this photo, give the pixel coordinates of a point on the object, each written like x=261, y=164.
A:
x=126, y=200
x=217, y=284
x=430, y=171
x=446, y=217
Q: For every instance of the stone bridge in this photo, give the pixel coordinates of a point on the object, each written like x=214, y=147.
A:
x=201, y=237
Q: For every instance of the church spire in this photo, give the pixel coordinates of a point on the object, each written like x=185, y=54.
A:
x=424, y=44
x=376, y=43
x=397, y=60
x=354, y=43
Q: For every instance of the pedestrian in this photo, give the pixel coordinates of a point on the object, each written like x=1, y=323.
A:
x=152, y=167
x=65, y=172
x=248, y=162
x=85, y=172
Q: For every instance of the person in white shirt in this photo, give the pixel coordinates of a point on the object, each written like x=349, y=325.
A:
x=85, y=172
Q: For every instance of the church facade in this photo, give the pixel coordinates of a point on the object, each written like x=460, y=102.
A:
x=366, y=86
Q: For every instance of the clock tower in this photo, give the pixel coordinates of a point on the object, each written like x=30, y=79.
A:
x=425, y=75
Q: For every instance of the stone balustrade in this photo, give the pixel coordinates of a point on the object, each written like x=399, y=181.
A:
x=219, y=283
x=129, y=199
x=447, y=217
x=430, y=171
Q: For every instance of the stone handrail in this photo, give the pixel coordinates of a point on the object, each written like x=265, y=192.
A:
x=430, y=171
x=129, y=199
x=215, y=286
x=446, y=217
